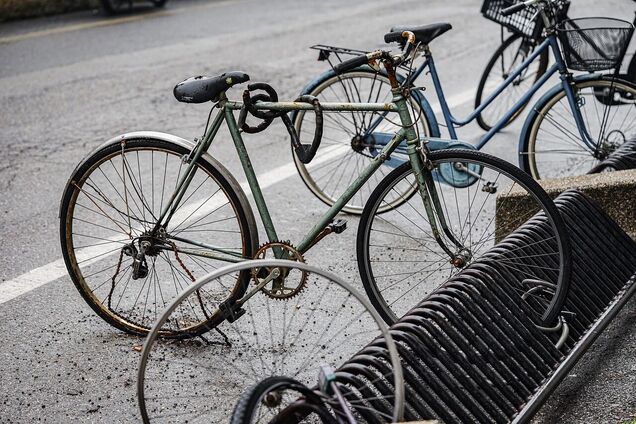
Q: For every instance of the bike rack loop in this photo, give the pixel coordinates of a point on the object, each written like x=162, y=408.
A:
x=471, y=353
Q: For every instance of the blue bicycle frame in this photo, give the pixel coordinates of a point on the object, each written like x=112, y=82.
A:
x=452, y=123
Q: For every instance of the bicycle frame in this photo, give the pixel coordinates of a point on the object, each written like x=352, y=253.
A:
x=226, y=113
x=550, y=42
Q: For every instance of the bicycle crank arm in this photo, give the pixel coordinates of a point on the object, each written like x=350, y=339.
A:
x=274, y=274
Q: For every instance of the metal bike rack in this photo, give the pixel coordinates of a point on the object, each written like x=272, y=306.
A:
x=470, y=351
x=624, y=157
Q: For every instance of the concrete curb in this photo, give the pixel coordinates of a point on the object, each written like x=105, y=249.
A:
x=615, y=193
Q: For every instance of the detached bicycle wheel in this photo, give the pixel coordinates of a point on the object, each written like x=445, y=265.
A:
x=107, y=217
x=485, y=202
x=352, y=139
x=553, y=146
x=289, y=333
x=514, y=50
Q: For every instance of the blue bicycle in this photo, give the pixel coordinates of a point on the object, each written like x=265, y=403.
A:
x=573, y=127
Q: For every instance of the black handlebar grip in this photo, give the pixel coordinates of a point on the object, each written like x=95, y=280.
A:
x=393, y=37
x=351, y=64
x=513, y=9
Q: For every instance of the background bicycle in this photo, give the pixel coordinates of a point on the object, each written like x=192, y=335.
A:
x=551, y=143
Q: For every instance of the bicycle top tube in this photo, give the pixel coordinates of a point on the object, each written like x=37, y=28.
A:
x=327, y=106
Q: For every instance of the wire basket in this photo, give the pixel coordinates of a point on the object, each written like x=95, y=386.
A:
x=594, y=44
x=526, y=22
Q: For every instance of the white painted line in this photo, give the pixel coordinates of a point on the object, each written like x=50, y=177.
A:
x=52, y=271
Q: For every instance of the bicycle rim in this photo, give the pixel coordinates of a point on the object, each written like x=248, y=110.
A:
x=345, y=149
x=325, y=323
x=111, y=205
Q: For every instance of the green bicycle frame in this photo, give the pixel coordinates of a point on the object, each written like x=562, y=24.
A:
x=226, y=112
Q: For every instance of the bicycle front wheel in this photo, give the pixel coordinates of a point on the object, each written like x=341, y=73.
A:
x=553, y=146
x=483, y=200
x=352, y=139
x=514, y=50
x=107, y=218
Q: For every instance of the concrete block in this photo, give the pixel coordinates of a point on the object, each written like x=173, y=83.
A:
x=614, y=192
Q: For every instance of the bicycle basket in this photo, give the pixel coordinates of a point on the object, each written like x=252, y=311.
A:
x=594, y=44
x=527, y=22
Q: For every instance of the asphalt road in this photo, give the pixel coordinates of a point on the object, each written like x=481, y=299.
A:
x=69, y=83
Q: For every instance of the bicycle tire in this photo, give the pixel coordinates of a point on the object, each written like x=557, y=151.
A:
x=246, y=408
x=403, y=224
x=344, y=161
x=77, y=226
x=487, y=122
x=551, y=145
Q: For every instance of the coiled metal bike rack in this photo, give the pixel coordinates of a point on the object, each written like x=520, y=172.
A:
x=470, y=351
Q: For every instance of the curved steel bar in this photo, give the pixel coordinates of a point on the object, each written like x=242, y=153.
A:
x=398, y=382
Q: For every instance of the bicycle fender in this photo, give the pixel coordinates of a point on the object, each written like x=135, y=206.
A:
x=155, y=135
x=538, y=105
x=417, y=95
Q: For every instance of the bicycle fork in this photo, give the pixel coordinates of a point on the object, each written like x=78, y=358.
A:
x=422, y=168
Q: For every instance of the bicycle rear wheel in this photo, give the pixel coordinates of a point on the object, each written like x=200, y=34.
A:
x=323, y=322
x=514, y=50
x=108, y=211
x=484, y=200
x=349, y=141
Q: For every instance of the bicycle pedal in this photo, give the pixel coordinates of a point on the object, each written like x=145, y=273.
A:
x=230, y=311
x=338, y=226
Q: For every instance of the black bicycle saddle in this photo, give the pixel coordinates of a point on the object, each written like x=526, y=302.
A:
x=202, y=88
x=423, y=33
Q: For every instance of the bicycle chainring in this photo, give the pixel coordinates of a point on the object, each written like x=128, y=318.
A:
x=290, y=282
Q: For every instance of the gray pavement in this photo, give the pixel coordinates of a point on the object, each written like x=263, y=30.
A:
x=69, y=83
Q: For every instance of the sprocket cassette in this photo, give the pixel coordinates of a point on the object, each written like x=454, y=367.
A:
x=291, y=281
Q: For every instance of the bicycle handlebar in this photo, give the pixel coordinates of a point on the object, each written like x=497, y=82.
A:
x=350, y=64
x=409, y=41
x=513, y=9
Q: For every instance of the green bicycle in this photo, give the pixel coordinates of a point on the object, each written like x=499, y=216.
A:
x=146, y=213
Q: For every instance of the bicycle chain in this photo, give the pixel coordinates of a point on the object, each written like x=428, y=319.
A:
x=112, y=281
x=187, y=271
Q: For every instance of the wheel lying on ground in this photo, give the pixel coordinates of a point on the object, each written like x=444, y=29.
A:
x=482, y=199
x=108, y=211
x=326, y=322
x=346, y=145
